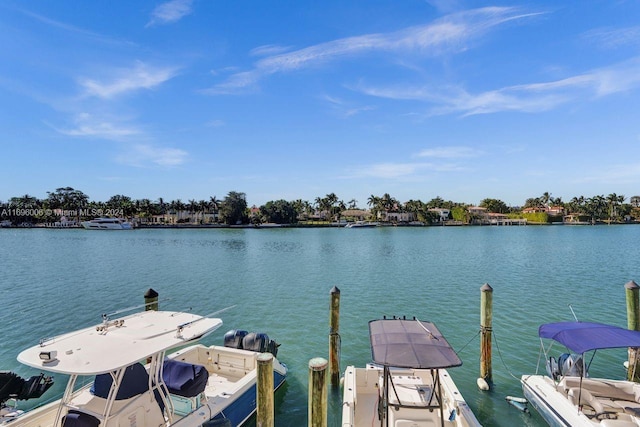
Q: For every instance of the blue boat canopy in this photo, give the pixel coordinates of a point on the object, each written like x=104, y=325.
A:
x=405, y=343
x=580, y=337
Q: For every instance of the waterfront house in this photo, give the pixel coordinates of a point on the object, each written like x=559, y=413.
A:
x=442, y=214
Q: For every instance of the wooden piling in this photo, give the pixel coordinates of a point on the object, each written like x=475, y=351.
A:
x=265, y=391
x=317, y=392
x=486, y=318
x=151, y=300
x=632, y=291
x=334, y=338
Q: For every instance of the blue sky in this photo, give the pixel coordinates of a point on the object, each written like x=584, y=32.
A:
x=189, y=99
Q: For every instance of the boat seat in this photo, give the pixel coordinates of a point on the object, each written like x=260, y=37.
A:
x=617, y=423
x=586, y=398
x=184, y=379
x=135, y=382
x=79, y=419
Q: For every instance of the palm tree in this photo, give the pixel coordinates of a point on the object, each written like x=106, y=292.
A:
x=374, y=204
x=214, y=203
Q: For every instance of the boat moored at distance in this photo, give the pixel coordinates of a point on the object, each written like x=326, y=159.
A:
x=121, y=373
x=361, y=224
x=566, y=395
x=107, y=224
x=407, y=384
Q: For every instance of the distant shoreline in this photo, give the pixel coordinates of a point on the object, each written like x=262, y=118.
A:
x=317, y=225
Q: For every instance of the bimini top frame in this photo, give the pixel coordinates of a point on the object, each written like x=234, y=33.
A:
x=414, y=344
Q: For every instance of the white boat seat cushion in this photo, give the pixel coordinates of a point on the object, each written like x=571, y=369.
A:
x=617, y=423
x=586, y=398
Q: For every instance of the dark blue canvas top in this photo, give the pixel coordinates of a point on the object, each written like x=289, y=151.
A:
x=580, y=337
x=184, y=379
x=134, y=382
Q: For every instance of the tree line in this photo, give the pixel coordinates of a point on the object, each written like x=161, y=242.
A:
x=233, y=209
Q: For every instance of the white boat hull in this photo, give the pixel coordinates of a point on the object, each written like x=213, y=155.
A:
x=120, y=374
x=361, y=392
x=106, y=224
x=230, y=394
x=594, y=402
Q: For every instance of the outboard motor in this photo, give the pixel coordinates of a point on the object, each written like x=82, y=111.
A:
x=552, y=368
x=571, y=365
x=260, y=343
x=233, y=338
x=12, y=386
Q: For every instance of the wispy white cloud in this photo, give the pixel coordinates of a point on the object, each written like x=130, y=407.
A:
x=77, y=31
x=90, y=126
x=170, y=12
x=215, y=123
x=611, y=38
x=401, y=170
x=269, y=49
x=446, y=6
x=140, y=76
x=533, y=97
x=145, y=155
x=452, y=152
x=346, y=109
x=612, y=174
x=449, y=34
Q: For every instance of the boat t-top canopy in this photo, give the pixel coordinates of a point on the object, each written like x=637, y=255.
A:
x=115, y=344
x=580, y=337
x=406, y=343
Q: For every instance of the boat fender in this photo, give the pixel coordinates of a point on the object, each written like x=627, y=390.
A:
x=483, y=384
x=519, y=403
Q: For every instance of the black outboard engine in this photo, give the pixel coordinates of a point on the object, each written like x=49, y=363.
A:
x=12, y=386
x=233, y=338
x=259, y=342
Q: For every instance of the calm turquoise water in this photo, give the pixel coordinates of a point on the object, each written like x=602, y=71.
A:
x=280, y=280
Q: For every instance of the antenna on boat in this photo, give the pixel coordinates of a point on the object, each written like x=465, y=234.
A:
x=222, y=310
x=106, y=316
x=573, y=312
x=191, y=322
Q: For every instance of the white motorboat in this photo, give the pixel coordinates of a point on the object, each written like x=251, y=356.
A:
x=361, y=224
x=567, y=396
x=107, y=224
x=120, y=374
x=408, y=384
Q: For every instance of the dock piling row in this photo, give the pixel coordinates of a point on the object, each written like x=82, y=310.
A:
x=265, y=401
x=317, y=392
x=334, y=337
x=486, y=318
x=632, y=291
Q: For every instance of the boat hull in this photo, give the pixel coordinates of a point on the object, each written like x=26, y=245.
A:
x=231, y=391
x=197, y=385
x=361, y=391
x=106, y=224
x=582, y=403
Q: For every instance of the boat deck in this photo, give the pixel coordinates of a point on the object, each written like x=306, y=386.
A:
x=594, y=401
x=602, y=399
x=415, y=391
